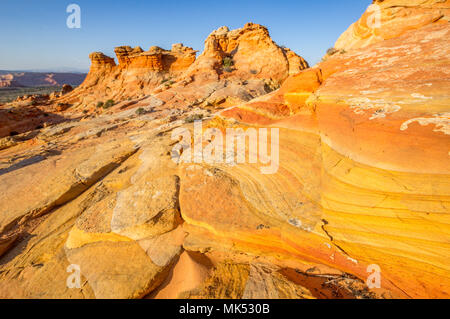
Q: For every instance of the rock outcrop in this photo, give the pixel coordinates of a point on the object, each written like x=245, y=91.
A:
x=137, y=73
x=248, y=50
x=66, y=88
x=156, y=59
x=7, y=80
x=372, y=173
x=387, y=19
x=229, y=58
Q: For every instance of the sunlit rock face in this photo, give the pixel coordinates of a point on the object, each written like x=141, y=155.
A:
x=136, y=73
x=250, y=48
x=228, y=59
x=387, y=19
x=380, y=120
x=95, y=188
x=350, y=198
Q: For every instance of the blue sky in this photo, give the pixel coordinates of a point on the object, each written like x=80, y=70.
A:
x=34, y=34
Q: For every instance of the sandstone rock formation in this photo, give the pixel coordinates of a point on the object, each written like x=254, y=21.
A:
x=372, y=173
x=24, y=120
x=362, y=183
x=249, y=49
x=179, y=79
x=7, y=80
x=387, y=19
x=66, y=88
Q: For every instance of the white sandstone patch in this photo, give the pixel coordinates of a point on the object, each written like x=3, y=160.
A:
x=372, y=91
x=381, y=107
x=157, y=194
x=298, y=223
x=386, y=61
x=437, y=35
x=421, y=96
x=440, y=120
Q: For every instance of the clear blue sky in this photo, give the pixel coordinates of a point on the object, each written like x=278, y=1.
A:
x=34, y=34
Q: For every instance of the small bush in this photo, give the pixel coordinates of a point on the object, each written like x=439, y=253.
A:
x=168, y=81
x=100, y=104
x=192, y=118
x=331, y=51
x=227, y=64
x=140, y=111
x=108, y=104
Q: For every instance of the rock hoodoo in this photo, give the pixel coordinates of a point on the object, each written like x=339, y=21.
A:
x=140, y=73
x=250, y=50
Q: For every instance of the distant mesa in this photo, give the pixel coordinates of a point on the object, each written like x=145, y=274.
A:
x=17, y=79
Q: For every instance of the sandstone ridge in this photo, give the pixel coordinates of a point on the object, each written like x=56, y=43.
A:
x=387, y=19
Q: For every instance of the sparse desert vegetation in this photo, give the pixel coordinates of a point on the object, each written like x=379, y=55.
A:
x=227, y=64
x=10, y=94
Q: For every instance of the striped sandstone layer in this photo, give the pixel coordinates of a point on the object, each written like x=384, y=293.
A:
x=364, y=147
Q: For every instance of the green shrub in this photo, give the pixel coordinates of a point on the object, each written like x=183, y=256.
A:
x=192, y=118
x=108, y=104
x=100, y=104
x=331, y=51
x=140, y=111
x=227, y=64
x=167, y=81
